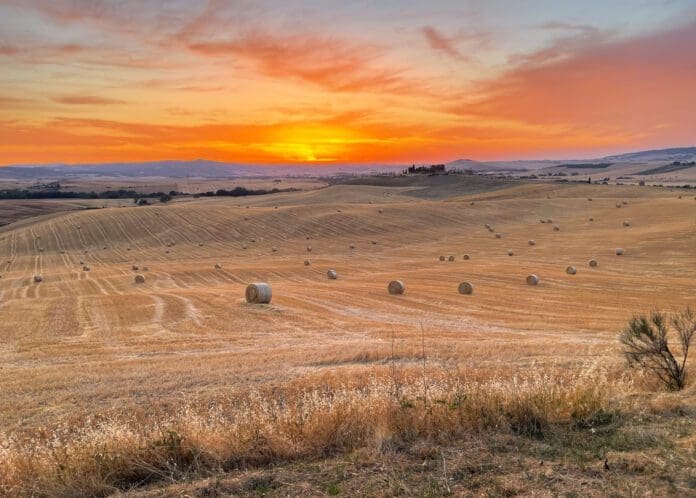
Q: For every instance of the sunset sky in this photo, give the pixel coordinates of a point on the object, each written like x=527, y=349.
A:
x=337, y=81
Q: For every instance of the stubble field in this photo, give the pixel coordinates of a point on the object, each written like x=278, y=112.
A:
x=84, y=351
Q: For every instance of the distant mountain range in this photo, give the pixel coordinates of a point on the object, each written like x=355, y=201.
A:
x=212, y=169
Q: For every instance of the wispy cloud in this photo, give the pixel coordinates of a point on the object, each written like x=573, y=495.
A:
x=329, y=62
x=639, y=87
x=442, y=43
x=86, y=100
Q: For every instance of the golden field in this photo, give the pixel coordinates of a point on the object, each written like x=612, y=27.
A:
x=96, y=368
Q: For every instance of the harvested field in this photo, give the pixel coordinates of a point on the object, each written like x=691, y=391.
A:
x=92, y=344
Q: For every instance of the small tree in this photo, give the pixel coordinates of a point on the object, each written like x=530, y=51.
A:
x=645, y=345
x=165, y=198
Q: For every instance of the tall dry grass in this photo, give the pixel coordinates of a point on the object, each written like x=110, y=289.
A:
x=389, y=407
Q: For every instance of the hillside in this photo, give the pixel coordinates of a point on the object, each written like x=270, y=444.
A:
x=100, y=364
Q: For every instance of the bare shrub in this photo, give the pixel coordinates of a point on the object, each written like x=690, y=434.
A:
x=646, y=345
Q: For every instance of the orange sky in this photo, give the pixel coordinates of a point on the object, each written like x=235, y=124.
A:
x=320, y=82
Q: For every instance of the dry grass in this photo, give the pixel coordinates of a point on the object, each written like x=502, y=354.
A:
x=390, y=407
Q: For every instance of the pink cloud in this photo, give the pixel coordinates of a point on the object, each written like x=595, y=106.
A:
x=441, y=43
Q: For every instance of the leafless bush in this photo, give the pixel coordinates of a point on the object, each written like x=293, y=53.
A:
x=646, y=345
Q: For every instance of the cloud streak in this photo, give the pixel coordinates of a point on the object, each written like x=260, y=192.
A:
x=439, y=42
x=92, y=100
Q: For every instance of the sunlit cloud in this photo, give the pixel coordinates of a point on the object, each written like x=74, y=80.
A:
x=258, y=82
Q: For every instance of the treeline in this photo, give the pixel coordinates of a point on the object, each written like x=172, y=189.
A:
x=128, y=194
x=241, y=191
x=58, y=194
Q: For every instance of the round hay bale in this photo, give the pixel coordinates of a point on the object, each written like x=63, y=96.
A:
x=380, y=211
x=532, y=279
x=274, y=249
x=396, y=287
x=593, y=263
x=626, y=223
x=218, y=266
x=450, y=258
x=465, y=257
x=246, y=218
x=619, y=251
x=531, y=242
x=309, y=249
x=488, y=225
x=442, y=258
x=556, y=228
x=200, y=244
x=85, y=268
x=253, y=241
x=41, y=249
x=307, y=237
x=104, y=248
x=352, y=246
x=680, y=196
x=139, y=279
x=167, y=251
x=338, y=210
x=258, y=293
x=82, y=262
x=570, y=270
x=542, y=220
x=331, y=275
x=618, y=205
x=244, y=246
x=62, y=252
x=471, y=203
x=589, y=198
x=591, y=219
x=145, y=268
x=624, y=202
x=498, y=235
x=465, y=288
x=510, y=253
x=491, y=229
x=38, y=278
x=79, y=227
x=135, y=267
x=373, y=242
x=307, y=262
x=549, y=220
